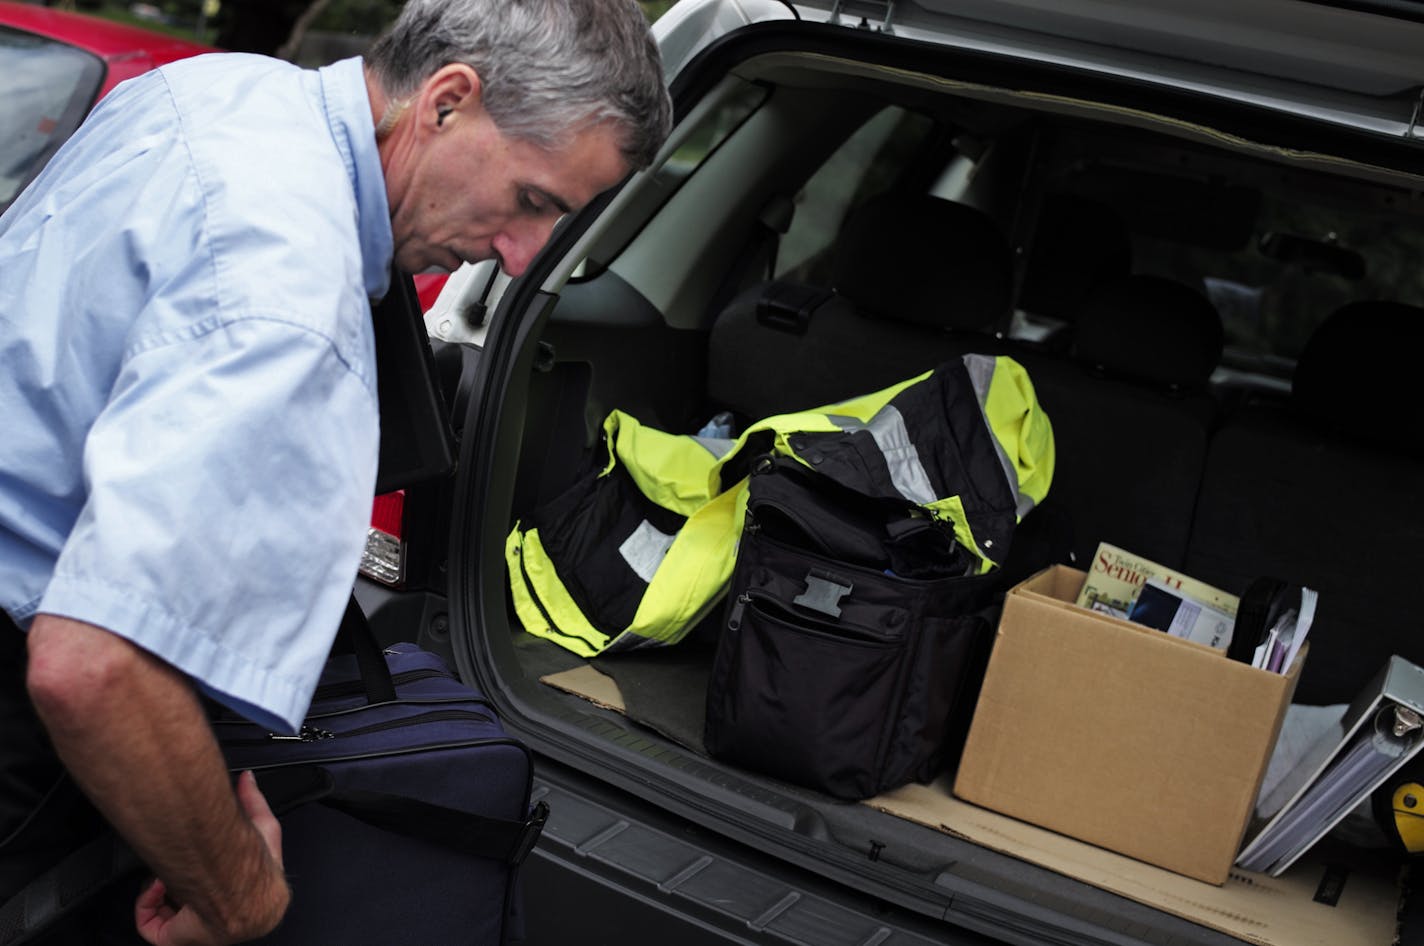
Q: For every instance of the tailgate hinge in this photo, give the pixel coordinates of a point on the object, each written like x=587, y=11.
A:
x=884, y=10
x=1414, y=130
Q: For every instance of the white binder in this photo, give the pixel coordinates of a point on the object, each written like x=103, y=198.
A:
x=1382, y=730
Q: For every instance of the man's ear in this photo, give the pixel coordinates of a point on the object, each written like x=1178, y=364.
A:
x=452, y=90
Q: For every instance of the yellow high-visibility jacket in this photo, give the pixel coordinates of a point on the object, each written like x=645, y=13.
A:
x=636, y=554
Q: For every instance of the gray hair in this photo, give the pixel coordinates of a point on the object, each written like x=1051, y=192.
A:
x=547, y=68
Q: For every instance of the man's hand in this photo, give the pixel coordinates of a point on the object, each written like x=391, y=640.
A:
x=162, y=923
x=132, y=733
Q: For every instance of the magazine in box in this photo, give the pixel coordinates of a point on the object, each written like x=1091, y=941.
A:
x=1116, y=577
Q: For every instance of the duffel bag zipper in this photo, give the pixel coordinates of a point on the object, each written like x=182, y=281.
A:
x=837, y=563
x=778, y=611
x=404, y=701
x=734, y=621
x=544, y=612
x=356, y=687
x=231, y=719
x=317, y=734
x=305, y=734
x=436, y=716
x=795, y=518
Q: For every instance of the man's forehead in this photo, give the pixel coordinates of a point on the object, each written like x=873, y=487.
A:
x=589, y=163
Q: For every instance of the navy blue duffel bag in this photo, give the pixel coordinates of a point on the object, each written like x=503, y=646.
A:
x=404, y=808
x=407, y=811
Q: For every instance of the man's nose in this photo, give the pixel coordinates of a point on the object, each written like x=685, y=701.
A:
x=519, y=243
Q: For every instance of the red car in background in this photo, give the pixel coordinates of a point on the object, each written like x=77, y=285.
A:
x=54, y=65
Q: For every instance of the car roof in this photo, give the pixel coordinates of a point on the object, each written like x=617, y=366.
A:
x=1368, y=47
x=126, y=50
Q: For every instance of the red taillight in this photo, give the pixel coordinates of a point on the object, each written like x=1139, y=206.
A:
x=383, y=559
x=427, y=288
x=387, y=511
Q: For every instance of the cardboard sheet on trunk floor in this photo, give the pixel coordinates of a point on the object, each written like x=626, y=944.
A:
x=1257, y=908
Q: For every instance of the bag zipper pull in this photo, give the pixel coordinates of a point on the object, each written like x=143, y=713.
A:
x=305, y=734
x=734, y=621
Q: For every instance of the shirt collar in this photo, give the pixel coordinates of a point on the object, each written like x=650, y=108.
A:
x=348, y=112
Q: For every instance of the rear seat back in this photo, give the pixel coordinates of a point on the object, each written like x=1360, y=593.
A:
x=1077, y=245
x=1131, y=415
x=916, y=280
x=1325, y=492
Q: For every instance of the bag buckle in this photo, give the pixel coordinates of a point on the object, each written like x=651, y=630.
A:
x=823, y=593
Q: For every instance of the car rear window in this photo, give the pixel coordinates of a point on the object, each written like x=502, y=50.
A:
x=1303, y=259
x=867, y=163
x=45, y=89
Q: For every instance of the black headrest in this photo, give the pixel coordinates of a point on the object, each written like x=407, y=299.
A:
x=1078, y=244
x=1149, y=329
x=924, y=260
x=1357, y=375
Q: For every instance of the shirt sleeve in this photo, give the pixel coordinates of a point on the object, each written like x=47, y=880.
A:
x=229, y=484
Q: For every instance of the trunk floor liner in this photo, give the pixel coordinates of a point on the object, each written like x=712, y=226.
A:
x=665, y=690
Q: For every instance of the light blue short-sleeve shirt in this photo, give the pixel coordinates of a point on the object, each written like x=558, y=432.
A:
x=187, y=373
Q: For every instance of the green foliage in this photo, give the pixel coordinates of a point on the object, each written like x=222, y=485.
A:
x=350, y=17
x=364, y=17
x=372, y=16
x=180, y=19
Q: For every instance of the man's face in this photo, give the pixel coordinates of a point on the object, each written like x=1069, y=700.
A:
x=469, y=192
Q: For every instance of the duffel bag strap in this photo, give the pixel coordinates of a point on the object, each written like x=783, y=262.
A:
x=499, y=839
x=354, y=636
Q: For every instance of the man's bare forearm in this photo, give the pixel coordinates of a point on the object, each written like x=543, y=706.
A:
x=133, y=734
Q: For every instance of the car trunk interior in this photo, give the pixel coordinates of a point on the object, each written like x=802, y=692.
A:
x=1220, y=473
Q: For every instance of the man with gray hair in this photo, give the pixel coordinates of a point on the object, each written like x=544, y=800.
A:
x=188, y=380
x=569, y=83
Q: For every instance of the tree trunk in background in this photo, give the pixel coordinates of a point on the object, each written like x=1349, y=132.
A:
x=288, y=50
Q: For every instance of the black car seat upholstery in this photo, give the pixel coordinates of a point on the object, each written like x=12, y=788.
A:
x=1077, y=245
x=1325, y=492
x=1131, y=415
x=915, y=280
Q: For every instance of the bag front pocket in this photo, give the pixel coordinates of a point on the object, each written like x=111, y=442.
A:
x=802, y=698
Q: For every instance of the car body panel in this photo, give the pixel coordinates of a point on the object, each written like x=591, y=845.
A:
x=1363, y=47
x=623, y=794
x=127, y=50
x=72, y=60
x=1358, y=69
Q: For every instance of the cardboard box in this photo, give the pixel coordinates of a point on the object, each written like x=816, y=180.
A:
x=1119, y=735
